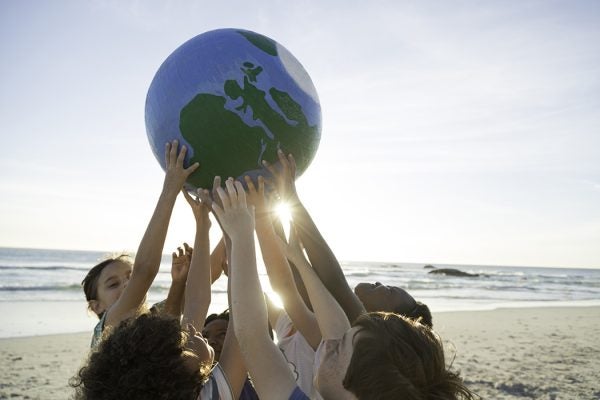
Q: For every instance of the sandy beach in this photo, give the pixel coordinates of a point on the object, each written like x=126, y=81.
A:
x=539, y=353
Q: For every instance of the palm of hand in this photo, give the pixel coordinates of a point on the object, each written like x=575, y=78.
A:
x=180, y=268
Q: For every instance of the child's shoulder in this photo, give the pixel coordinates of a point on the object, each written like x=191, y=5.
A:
x=217, y=386
x=98, y=330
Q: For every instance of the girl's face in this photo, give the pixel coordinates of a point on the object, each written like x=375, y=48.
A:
x=215, y=332
x=378, y=297
x=197, y=350
x=112, y=281
x=332, y=358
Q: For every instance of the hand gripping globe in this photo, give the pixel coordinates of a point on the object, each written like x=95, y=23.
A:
x=233, y=97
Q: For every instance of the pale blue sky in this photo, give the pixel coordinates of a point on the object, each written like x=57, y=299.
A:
x=453, y=131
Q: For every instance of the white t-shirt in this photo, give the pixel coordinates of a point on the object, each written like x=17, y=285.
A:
x=217, y=387
x=298, y=353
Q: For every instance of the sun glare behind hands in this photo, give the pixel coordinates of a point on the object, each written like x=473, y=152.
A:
x=282, y=210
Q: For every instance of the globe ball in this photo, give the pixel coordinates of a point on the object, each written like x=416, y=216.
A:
x=233, y=97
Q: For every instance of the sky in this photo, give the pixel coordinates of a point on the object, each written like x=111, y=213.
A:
x=454, y=132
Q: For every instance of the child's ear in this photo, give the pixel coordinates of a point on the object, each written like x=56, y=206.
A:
x=94, y=305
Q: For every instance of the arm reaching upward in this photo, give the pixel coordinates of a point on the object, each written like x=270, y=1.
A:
x=321, y=256
x=147, y=259
x=218, y=258
x=332, y=320
x=197, y=291
x=266, y=364
x=278, y=269
x=180, y=266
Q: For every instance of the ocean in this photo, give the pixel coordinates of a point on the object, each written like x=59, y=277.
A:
x=40, y=290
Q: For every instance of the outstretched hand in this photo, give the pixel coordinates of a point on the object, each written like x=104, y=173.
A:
x=284, y=177
x=176, y=174
x=256, y=197
x=234, y=215
x=180, y=265
x=199, y=208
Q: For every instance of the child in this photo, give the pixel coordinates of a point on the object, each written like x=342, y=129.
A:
x=119, y=287
x=106, y=281
x=366, y=297
x=215, y=331
x=155, y=356
x=266, y=365
x=383, y=356
x=297, y=329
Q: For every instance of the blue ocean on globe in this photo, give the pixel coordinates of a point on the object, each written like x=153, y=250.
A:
x=233, y=97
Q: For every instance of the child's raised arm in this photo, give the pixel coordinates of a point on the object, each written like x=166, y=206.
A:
x=332, y=320
x=218, y=260
x=197, y=290
x=267, y=366
x=230, y=360
x=278, y=269
x=321, y=256
x=180, y=265
x=147, y=259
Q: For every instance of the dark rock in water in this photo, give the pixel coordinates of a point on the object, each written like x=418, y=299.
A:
x=429, y=266
x=452, y=272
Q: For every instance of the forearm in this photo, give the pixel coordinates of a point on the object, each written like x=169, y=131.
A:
x=231, y=359
x=324, y=262
x=197, y=292
x=275, y=261
x=216, y=260
x=331, y=318
x=149, y=253
x=247, y=302
x=147, y=261
x=282, y=282
x=174, y=301
x=265, y=362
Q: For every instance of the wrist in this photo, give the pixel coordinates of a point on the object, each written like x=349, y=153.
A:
x=262, y=217
x=169, y=190
x=178, y=283
x=263, y=224
x=203, y=225
x=293, y=200
x=242, y=234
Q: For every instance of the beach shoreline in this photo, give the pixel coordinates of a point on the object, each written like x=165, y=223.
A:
x=509, y=353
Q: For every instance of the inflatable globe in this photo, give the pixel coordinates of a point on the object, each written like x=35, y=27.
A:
x=233, y=97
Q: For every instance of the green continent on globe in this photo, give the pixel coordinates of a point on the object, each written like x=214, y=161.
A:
x=225, y=145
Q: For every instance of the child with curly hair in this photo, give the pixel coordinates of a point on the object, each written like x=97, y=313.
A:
x=155, y=356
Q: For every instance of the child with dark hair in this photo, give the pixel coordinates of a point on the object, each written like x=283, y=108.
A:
x=148, y=357
x=366, y=297
x=116, y=289
x=105, y=282
x=138, y=358
x=215, y=331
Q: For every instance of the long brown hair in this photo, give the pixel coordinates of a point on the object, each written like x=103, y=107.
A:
x=399, y=358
